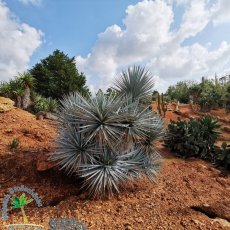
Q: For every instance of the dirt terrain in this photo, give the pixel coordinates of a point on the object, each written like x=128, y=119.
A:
x=188, y=194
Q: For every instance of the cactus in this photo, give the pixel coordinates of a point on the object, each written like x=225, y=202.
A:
x=159, y=103
x=163, y=104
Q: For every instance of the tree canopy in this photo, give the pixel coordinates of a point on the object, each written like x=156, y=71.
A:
x=57, y=75
x=179, y=91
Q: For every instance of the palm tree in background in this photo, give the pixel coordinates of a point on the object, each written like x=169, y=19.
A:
x=19, y=89
x=27, y=82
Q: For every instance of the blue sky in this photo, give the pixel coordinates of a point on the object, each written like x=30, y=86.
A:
x=175, y=39
x=69, y=25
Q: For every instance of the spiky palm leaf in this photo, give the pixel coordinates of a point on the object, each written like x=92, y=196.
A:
x=98, y=116
x=105, y=176
x=141, y=123
x=72, y=150
x=111, y=170
x=141, y=163
x=26, y=79
x=136, y=83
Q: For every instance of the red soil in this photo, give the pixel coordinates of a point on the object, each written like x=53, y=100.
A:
x=170, y=203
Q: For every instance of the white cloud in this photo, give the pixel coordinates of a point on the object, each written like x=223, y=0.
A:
x=221, y=12
x=147, y=39
x=18, y=41
x=32, y=2
x=195, y=19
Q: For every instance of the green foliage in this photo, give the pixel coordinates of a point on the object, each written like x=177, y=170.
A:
x=192, y=138
x=227, y=99
x=195, y=91
x=20, y=202
x=222, y=155
x=108, y=140
x=155, y=95
x=14, y=144
x=26, y=79
x=45, y=104
x=12, y=89
x=19, y=89
x=57, y=75
x=180, y=91
x=210, y=96
x=111, y=92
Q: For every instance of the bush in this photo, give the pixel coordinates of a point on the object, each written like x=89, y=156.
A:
x=222, y=155
x=44, y=104
x=192, y=138
x=108, y=140
x=14, y=144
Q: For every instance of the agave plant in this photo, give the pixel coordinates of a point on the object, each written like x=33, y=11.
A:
x=109, y=139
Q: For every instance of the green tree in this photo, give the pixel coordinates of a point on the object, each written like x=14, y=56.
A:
x=210, y=96
x=179, y=92
x=195, y=91
x=57, y=75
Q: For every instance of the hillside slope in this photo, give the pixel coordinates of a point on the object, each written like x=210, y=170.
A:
x=189, y=194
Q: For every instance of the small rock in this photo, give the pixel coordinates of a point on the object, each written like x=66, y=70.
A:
x=43, y=164
x=39, y=136
x=226, y=129
x=139, y=220
x=223, y=222
x=127, y=226
x=197, y=222
x=23, y=179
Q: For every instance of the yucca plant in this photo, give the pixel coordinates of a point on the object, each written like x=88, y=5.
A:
x=109, y=139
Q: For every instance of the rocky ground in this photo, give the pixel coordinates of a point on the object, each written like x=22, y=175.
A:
x=188, y=194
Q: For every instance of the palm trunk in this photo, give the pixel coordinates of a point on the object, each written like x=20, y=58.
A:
x=18, y=102
x=25, y=220
x=26, y=98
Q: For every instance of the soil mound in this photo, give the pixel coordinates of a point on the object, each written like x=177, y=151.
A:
x=6, y=104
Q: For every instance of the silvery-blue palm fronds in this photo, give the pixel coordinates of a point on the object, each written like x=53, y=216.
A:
x=111, y=170
x=108, y=140
x=72, y=149
x=136, y=82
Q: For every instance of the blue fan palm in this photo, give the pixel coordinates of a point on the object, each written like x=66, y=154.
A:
x=108, y=140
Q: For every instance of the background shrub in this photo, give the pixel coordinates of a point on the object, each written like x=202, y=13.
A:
x=223, y=155
x=192, y=138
